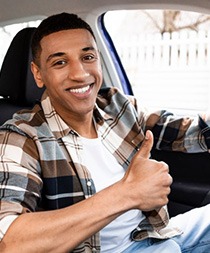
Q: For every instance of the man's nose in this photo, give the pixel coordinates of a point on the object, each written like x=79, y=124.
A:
x=78, y=72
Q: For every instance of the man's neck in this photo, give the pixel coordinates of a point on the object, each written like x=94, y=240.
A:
x=84, y=126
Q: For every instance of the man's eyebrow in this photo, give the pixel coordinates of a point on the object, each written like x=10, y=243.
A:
x=54, y=55
x=85, y=49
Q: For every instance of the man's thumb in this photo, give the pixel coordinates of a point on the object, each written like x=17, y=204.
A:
x=146, y=146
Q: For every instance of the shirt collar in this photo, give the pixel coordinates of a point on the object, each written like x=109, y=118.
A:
x=58, y=125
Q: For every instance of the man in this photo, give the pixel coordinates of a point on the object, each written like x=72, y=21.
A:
x=78, y=162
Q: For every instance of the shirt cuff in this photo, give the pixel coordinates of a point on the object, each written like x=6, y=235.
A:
x=5, y=223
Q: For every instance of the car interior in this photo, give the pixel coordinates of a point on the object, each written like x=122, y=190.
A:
x=190, y=172
x=17, y=85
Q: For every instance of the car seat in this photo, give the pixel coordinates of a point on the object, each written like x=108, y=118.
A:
x=18, y=89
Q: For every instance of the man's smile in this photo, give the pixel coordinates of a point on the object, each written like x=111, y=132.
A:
x=80, y=90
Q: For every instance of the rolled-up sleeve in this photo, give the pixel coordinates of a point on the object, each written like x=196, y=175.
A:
x=5, y=223
x=20, y=181
x=174, y=133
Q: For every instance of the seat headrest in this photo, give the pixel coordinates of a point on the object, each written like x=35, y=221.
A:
x=16, y=80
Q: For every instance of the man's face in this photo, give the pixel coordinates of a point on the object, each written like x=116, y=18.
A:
x=71, y=71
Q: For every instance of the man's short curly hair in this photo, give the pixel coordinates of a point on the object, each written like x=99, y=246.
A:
x=56, y=23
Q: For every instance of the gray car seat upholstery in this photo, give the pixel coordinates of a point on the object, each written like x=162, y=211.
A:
x=18, y=89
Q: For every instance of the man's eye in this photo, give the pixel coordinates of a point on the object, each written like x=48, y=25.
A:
x=89, y=57
x=61, y=62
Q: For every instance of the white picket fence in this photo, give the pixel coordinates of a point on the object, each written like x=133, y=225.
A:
x=174, y=50
x=176, y=65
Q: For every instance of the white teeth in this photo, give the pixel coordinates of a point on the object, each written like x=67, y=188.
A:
x=81, y=90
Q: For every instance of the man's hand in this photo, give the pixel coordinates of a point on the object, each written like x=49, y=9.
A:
x=147, y=181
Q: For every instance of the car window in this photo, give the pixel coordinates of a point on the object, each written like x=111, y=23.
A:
x=8, y=32
x=166, y=56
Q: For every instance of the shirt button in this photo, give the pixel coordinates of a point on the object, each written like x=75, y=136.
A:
x=89, y=183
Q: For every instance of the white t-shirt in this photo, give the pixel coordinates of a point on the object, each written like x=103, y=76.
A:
x=105, y=170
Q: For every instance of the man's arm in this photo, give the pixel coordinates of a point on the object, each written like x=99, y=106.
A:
x=145, y=186
x=175, y=133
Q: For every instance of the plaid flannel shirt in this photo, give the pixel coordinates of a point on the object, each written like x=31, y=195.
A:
x=40, y=167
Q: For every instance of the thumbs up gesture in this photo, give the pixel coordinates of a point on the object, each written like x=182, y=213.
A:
x=147, y=182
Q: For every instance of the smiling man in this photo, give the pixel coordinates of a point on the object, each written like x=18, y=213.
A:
x=71, y=71
x=75, y=173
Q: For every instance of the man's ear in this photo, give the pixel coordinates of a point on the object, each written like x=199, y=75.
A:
x=37, y=76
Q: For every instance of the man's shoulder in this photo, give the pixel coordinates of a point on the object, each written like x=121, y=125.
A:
x=28, y=116
x=25, y=120
x=110, y=95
